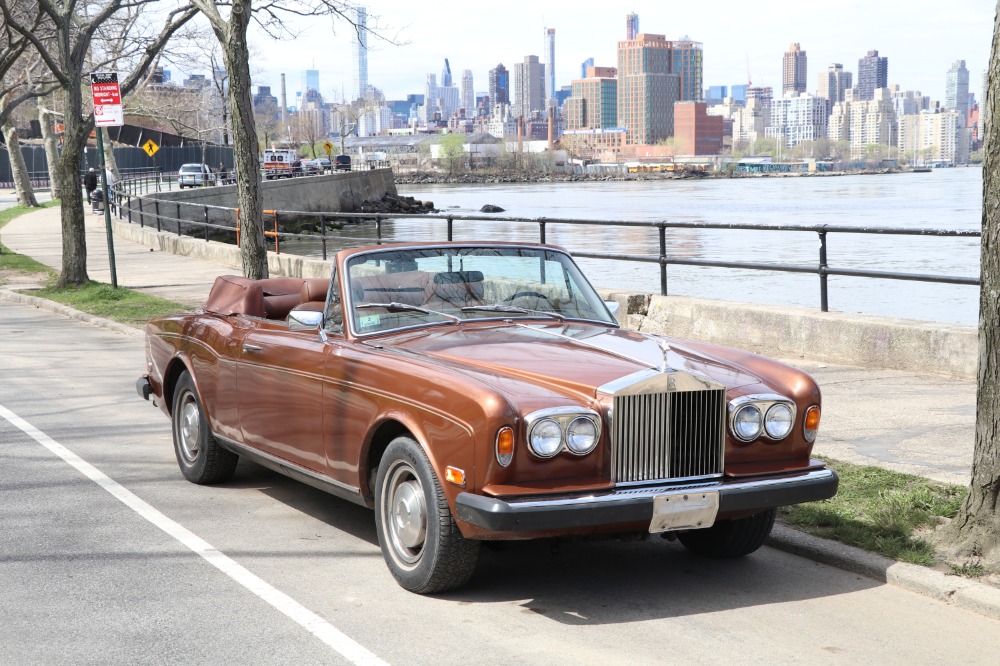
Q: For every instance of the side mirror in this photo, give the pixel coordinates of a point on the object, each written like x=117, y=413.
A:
x=613, y=306
x=304, y=320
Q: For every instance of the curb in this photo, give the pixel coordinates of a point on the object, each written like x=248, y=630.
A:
x=954, y=590
x=59, y=308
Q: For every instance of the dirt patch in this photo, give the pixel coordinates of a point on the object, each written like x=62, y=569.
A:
x=19, y=280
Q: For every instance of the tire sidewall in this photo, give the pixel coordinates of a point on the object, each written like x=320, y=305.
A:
x=192, y=470
x=410, y=576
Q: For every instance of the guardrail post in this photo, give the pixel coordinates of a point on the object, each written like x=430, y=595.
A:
x=378, y=229
x=277, y=247
x=541, y=231
x=204, y=225
x=451, y=223
x=130, y=209
x=824, y=304
x=322, y=235
x=156, y=207
x=142, y=214
x=662, y=229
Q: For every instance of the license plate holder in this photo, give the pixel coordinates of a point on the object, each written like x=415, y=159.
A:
x=691, y=510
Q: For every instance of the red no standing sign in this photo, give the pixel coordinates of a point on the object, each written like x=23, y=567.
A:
x=107, y=99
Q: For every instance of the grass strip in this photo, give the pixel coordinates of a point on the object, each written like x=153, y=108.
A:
x=881, y=511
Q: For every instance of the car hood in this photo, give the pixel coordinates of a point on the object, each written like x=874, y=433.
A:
x=571, y=357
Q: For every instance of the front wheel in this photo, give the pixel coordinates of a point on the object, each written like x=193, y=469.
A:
x=199, y=456
x=730, y=538
x=420, y=542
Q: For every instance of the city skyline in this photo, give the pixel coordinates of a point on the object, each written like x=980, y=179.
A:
x=732, y=45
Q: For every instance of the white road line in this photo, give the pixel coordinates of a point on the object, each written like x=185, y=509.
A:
x=326, y=632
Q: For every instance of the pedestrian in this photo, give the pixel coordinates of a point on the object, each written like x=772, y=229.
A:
x=223, y=176
x=90, y=183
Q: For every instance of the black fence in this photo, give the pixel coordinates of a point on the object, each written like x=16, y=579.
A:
x=221, y=223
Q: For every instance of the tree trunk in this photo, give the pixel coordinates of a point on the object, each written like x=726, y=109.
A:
x=51, y=149
x=22, y=181
x=109, y=154
x=246, y=169
x=976, y=529
x=74, y=238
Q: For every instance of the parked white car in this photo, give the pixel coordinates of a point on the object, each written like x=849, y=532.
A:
x=195, y=175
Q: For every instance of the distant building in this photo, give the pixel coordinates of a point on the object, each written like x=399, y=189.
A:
x=446, y=74
x=529, y=87
x=696, y=132
x=549, y=54
x=589, y=62
x=796, y=118
x=793, y=77
x=751, y=122
x=956, y=91
x=647, y=89
x=715, y=94
x=310, y=81
x=833, y=83
x=631, y=26
x=499, y=86
x=687, y=62
x=873, y=73
x=594, y=101
x=264, y=98
x=361, y=53
x=934, y=137
x=739, y=93
x=468, y=93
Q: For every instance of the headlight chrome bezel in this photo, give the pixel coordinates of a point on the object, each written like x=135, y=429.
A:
x=563, y=417
x=763, y=404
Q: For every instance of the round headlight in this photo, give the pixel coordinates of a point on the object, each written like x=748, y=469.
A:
x=747, y=423
x=545, y=438
x=581, y=435
x=778, y=421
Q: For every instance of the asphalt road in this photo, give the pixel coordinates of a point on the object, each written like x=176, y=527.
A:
x=107, y=555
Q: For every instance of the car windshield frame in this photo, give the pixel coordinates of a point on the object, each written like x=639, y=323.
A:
x=570, y=287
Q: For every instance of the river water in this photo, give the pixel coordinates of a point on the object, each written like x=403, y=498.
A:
x=941, y=199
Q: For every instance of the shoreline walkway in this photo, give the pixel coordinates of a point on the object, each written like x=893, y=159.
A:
x=922, y=424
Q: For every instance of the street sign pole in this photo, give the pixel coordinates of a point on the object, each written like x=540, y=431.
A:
x=107, y=112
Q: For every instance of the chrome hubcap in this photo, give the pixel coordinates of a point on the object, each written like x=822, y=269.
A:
x=189, y=429
x=405, y=513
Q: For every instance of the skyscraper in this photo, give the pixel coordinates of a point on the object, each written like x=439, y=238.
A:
x=589, y=62
x=550, y=65
x=468, y=94
x=499, y=86
x=310, y=81
x=361, y=54
x=529, y=86
x=594, y=102
x=686, y=58
x=647, y=89
x=956, y=89
x=631, y=26
x=873, y=73
x=793, y=70
x=834, y=83
x=446, y=74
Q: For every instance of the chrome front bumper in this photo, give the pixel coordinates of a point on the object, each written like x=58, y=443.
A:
x=635, y=504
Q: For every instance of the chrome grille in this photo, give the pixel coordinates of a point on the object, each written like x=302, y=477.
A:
x=675, y=435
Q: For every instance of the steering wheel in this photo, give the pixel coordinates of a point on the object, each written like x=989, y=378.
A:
x=526, y=294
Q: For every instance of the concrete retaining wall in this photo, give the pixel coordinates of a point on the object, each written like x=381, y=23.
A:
x=782, y=332
x=341, y=192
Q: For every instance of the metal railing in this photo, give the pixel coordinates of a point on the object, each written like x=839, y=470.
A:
x=226, y=222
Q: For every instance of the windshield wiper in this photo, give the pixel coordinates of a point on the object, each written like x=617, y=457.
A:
x=406, y=307
x=499, y=307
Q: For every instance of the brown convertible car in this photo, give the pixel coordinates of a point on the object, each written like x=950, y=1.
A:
x=483, y=391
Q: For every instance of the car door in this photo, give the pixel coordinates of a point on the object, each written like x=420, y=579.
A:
x=280, y=385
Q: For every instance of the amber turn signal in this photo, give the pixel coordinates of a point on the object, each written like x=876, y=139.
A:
x=454, y=475
x=505, y=445
x=811, y=423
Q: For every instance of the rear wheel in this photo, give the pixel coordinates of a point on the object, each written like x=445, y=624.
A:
x=199, y=456
x=420, y=542
x=730, y=538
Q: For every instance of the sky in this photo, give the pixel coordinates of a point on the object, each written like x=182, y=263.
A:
x=742, y=40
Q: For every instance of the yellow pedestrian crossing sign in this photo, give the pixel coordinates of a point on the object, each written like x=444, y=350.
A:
x=328, y=146
x=150, y=147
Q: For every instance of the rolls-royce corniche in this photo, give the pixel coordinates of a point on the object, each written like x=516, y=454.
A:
x=472, y=392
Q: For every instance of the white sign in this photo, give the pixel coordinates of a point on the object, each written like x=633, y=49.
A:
x=107, y=99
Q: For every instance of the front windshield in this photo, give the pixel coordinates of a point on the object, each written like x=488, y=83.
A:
x=396, y=288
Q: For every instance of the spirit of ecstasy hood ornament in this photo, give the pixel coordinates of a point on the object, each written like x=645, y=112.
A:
x=665, y=348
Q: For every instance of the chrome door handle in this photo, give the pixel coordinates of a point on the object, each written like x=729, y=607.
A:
x=251, y=348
